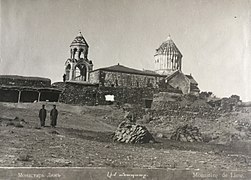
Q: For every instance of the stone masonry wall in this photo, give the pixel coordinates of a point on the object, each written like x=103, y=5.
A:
x=94, y=77
x=114, y=79
x=125, y=95
x=81, y=94
x=89, y=94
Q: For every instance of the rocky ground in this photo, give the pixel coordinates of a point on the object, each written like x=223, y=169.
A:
x=84, y=138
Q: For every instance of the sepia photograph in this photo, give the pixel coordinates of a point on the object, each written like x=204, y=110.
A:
x=125, y=89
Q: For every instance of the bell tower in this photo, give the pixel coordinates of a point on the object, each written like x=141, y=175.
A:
x=167, y=58
x=78, y=66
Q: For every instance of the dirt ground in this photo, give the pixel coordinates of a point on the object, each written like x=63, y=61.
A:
x=83, y=138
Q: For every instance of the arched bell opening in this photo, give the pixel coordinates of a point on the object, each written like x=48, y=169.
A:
x=81, y=72
x=77, y=73
x=81, y=53
x=75, y=53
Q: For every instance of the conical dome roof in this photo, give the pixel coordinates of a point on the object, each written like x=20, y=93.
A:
x=168, y=47
x=79, y=41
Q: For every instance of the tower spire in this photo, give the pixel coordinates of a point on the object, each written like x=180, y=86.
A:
x=167, y=57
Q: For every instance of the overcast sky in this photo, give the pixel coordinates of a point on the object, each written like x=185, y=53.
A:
x=213, y=36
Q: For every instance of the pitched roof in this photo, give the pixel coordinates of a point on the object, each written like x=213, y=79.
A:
x=192, y=80
x=170, y=76
x=124, y=69
x=167, y=47
x=190, y=77
x=79, y=41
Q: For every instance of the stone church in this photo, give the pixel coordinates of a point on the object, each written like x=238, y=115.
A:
x=167, y=70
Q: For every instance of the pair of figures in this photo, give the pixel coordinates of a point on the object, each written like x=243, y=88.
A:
x=53, y=116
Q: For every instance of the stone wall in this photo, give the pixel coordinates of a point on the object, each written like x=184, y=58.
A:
x=12, y=80
x=94, y=77
x=114, y=79
x=125, y=95
x=91, y=94
x=79, y=93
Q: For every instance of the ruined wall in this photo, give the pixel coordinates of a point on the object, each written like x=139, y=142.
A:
x=11, y=80
x=121, y=79
x=181, y=82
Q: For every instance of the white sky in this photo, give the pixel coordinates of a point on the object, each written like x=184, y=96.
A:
x=213, y=36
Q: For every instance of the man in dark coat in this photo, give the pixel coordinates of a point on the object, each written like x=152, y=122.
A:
x=64, y=77
x=42, y=115
x=54, y=116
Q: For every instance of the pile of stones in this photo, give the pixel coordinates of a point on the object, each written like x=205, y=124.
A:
x=129, y=132
x=10, y=121
x=187, y=133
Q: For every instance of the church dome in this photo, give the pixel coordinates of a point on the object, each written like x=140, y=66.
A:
x=79, y=41
x=168, y=47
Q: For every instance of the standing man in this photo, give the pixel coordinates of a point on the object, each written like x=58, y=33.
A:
x=42, y=115
x=64, y=77
x=54, y=116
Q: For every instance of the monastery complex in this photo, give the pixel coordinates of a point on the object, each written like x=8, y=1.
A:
x=167, y=69
x=84, y=85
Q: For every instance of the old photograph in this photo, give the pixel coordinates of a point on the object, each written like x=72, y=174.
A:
x=125, y=89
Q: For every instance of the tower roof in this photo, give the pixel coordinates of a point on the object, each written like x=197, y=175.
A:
x=167, y=47
x=79, y=40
